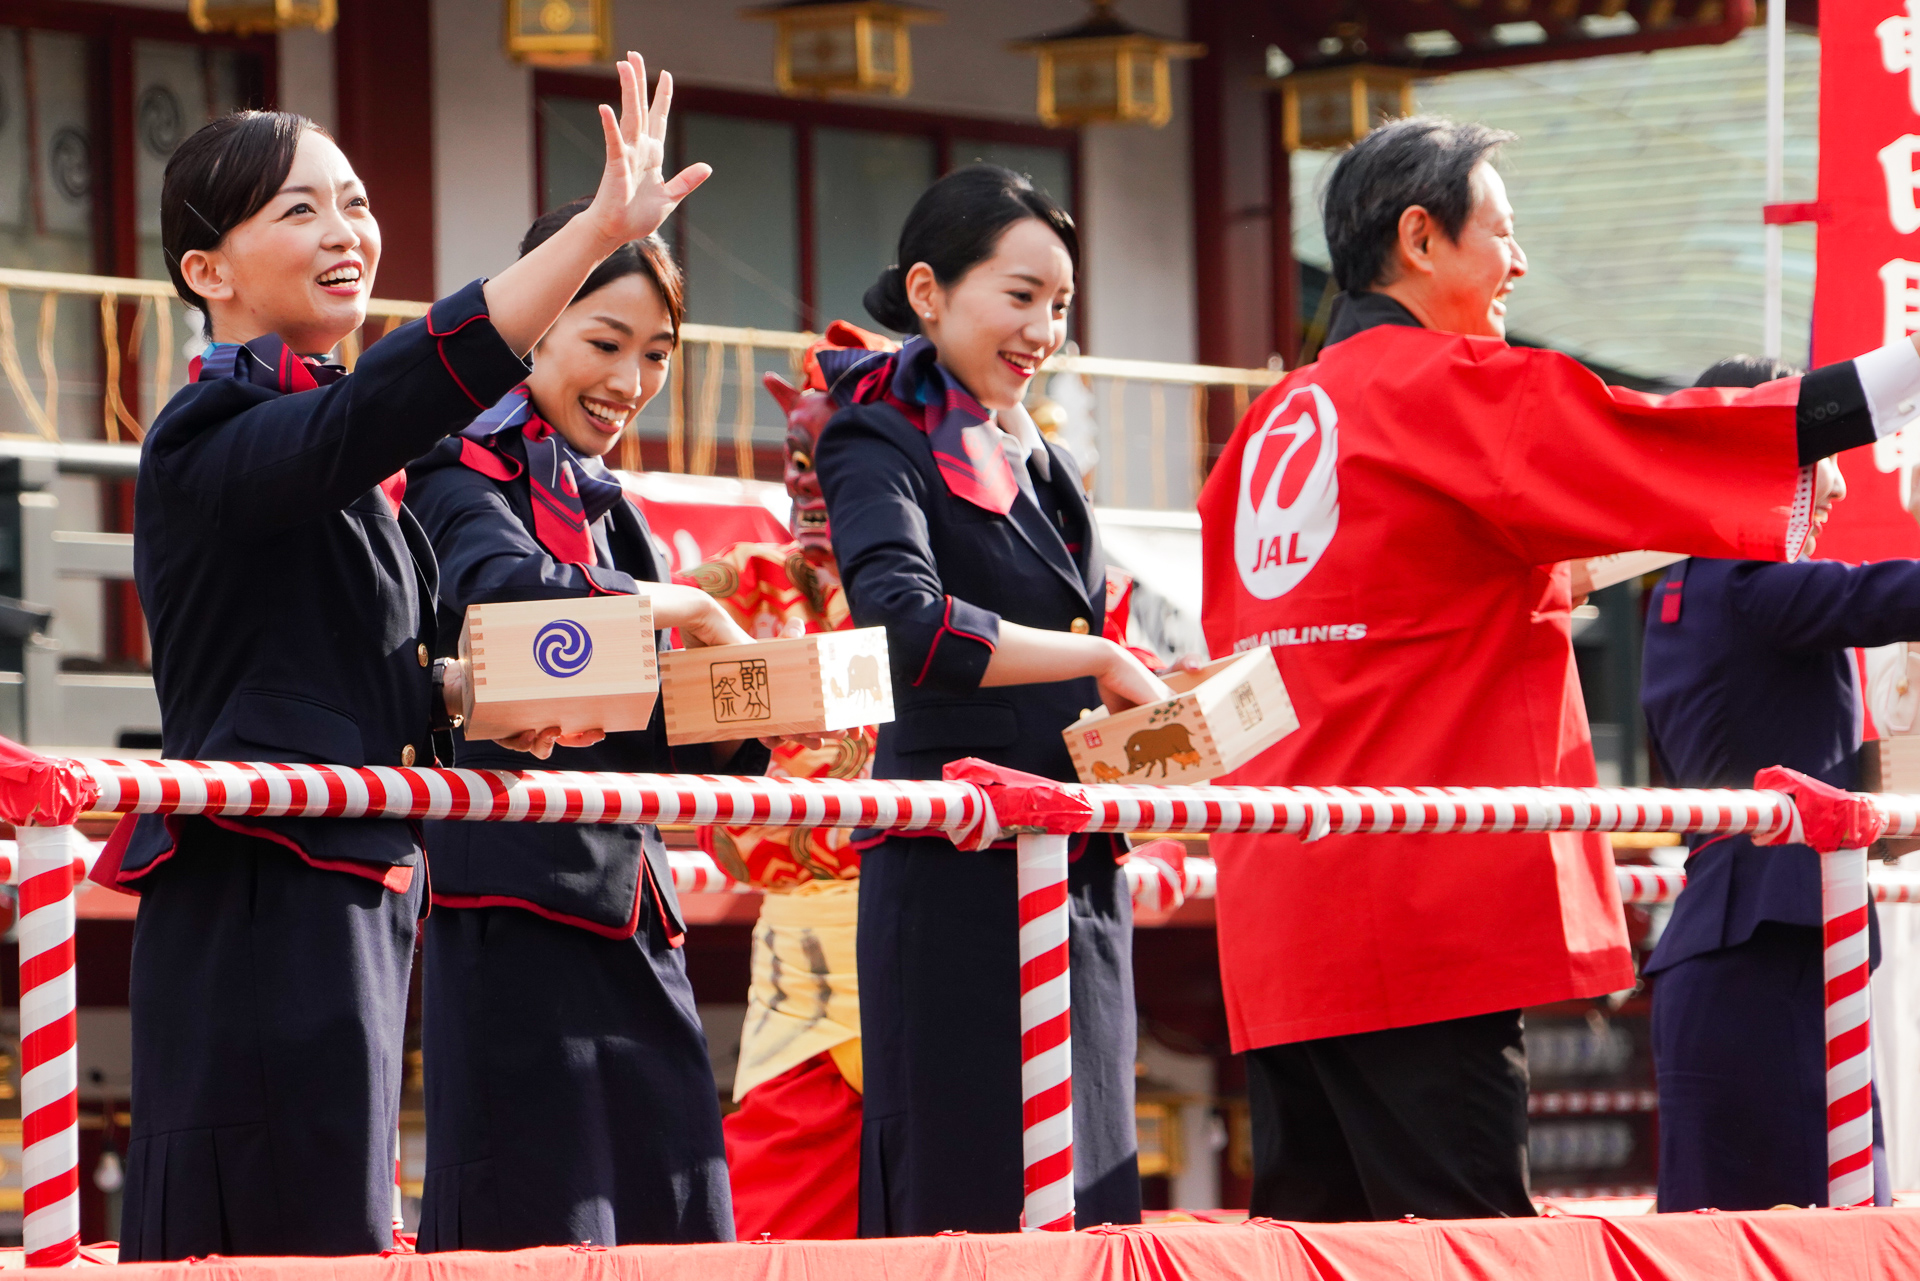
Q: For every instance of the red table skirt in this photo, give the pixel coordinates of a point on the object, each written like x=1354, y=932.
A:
x=1806, y=1245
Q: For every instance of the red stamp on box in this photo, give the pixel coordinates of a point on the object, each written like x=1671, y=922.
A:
x=1093, y=738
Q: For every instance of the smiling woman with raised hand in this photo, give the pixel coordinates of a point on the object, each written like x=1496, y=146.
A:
x=569, y=1094
x=969, y=539
x=290, y=603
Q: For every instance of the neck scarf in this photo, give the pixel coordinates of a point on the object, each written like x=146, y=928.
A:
x=568, y=495
x=268, y=362
x=912, y=380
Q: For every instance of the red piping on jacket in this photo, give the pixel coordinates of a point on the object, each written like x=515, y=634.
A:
x=578, y=922
x=946, y=626
x=397, y=879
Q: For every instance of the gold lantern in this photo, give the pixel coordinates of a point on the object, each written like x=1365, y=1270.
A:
x=559, y=33
x=842, y=46
x=252, y=17
x=1322, y=110
x=1105, y=71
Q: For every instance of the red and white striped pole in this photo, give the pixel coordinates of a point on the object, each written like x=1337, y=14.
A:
x=1843, y=912
x=49, y=1076
x=1046, y=1035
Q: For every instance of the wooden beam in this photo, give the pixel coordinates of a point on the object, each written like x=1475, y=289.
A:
x=383, y=58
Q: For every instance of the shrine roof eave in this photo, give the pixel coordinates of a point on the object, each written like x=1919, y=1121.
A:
x=1503, y=35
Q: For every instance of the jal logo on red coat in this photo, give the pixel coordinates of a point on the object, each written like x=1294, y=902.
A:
x=1289, y=494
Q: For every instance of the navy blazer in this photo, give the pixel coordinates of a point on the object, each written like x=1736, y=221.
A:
x=940, y=574
x=1747, y=665
x=291, y=611
x=583, y=874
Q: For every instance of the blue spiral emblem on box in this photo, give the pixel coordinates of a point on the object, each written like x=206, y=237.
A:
x=563, y=648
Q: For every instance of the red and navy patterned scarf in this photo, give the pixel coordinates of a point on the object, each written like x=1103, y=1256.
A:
x=913, y=381
x=264, y=362
x=567, y=496
x=268, y=362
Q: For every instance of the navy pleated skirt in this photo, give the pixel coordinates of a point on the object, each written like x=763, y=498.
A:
x=269, y=1005
x=940, y=1037
x=569, y=1094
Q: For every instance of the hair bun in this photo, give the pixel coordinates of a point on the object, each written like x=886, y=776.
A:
x=886, y=301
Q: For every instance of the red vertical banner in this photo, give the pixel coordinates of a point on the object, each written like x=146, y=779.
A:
x=1867, y=283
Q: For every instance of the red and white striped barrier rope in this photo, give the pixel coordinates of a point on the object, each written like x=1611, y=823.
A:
x=534, y=796
x=49, y=1066
x=1148, y=884
x=1340, y=811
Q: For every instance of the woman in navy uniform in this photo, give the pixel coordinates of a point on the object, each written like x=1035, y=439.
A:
x=290, y=602
x=1747, y=664
x=970, y=540
x=569, y=1094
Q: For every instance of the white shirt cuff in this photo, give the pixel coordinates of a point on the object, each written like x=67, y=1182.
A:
x=1890, y=379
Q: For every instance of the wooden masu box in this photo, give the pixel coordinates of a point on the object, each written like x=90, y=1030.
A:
x=1898, y=759
x=804, y=685
x=1220, y=717
x=580, y=663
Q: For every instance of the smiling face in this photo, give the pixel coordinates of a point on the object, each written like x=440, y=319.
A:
x=996, y=324
x=1460, y=284
x=303, y=266
x=605, y=358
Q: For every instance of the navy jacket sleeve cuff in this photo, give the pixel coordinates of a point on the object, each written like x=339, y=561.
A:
x=957, y=651
x=1832, y=414
x=612, y=582
x=475, y=355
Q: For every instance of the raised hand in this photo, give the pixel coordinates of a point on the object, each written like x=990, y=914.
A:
x=633, y=200
x=635, y=197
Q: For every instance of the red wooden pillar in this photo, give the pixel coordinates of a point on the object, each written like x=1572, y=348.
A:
x=1286, y=272
x=383, y=63
x=1228, y=124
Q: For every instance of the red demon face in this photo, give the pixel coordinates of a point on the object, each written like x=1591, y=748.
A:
x=807, y=413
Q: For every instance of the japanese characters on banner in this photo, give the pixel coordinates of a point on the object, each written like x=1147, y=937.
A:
x=1867, y=286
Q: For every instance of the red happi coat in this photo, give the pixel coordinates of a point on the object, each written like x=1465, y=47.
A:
x=1394, y=521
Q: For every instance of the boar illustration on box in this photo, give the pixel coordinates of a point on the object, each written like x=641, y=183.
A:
x=1150, y=747
x=1219, y=718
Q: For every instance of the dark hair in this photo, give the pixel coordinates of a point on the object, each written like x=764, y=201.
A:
x=220, y=177
x=954, y=227
x=1744, y=371
x=647, y=257
x=1419, y=160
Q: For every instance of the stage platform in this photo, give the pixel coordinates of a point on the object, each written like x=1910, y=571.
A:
x=1804, y=1245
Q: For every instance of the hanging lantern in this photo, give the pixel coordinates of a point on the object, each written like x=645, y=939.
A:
x=253, y=17
x=1323, y=110
x=559, y=33
x=1105, y=72
x=842, y=46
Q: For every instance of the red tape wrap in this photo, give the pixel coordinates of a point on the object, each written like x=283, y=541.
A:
x=42, y=791
x=1828, y=819
x=1017, y=802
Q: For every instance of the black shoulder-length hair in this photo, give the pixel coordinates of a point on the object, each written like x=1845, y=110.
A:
x=645, y=257
x=222, y=175
x=954, y=227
